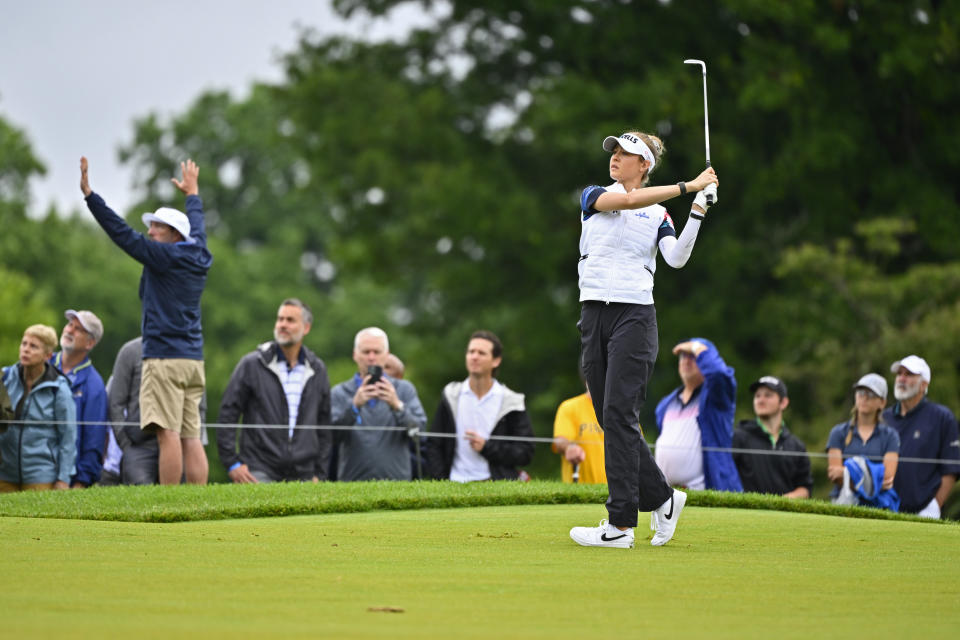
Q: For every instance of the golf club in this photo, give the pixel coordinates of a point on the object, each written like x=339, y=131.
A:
x=706, y=119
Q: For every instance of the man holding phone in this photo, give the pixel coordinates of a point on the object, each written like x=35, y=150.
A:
x=373, y=399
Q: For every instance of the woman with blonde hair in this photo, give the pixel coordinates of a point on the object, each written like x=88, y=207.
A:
x=864, y=435
x=38, y=450
x=622, y=228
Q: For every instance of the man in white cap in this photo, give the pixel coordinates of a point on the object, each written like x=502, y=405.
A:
x=175, y=262
x=81, y=333
x=927, y=430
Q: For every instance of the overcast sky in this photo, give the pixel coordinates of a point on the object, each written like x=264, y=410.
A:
x=74, y=75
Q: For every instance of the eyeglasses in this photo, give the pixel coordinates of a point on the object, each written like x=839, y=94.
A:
x=866, y=393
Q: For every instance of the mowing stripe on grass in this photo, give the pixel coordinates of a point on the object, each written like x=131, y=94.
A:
x=508, y=572
x=226, y=501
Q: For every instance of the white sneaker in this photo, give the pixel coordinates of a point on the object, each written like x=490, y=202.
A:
x=666, y=518
x=654, y=522
x=605, y=535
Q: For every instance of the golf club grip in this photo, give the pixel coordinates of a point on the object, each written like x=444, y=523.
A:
x=709, y=195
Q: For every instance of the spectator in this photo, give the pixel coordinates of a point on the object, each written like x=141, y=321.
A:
x=865, y=435
x=175, y=263
x=111, y=474
x=36, y=456
x=578, y=438
x=139, y=460
x=696, y=415
x=927, y=430
x=393, y=367
x=784, y=475
x=281, y=382
x=478, y=409
x=80, y=335
x=372, y=399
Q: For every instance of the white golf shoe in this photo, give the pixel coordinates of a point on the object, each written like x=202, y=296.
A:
x=604, y=535
x=665, y=518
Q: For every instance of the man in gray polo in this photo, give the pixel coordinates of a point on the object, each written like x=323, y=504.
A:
x=371, y=399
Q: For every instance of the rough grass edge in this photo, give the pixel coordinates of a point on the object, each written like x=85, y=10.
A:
x=227, y=501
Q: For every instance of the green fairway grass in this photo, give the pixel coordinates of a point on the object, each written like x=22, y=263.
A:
x=490, y=572
x=224, y=501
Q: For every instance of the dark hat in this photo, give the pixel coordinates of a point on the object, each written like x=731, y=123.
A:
x=772, y=383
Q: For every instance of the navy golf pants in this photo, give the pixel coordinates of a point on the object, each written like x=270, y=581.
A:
x=618, y=348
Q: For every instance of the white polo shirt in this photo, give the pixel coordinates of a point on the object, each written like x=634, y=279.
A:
x=479, y=415
x=679, y=449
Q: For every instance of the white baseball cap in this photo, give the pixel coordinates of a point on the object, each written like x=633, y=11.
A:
x=88, y=320
x=915, y=365
x=171, y=217
x=631, y=144
x=875, y=383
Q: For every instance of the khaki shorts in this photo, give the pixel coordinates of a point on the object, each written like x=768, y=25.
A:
x=170, y=393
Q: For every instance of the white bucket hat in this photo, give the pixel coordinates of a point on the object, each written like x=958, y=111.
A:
x=631, y=144
x=171, y=217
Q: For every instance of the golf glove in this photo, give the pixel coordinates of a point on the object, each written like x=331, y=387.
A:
x=701, y=197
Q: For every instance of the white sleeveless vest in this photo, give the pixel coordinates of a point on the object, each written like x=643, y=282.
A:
x=618, y=252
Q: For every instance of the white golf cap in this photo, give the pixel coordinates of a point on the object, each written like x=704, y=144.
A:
x=631, y=144
x=171, y=217
x=88, y=320
x=874, y=382
x=915, y=365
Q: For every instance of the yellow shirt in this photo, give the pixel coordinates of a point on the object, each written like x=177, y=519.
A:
x=577, y=422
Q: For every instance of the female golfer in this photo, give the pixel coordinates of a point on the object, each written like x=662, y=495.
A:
x=622, y=226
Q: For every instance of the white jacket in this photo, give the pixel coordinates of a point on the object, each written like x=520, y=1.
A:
x=618, y=251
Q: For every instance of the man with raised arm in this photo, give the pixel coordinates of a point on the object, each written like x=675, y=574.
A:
x=175, y=263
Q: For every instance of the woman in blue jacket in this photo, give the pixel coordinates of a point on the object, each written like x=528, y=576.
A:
x=40, y=452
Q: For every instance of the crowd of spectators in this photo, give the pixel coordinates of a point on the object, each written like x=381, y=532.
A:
x=280, y=419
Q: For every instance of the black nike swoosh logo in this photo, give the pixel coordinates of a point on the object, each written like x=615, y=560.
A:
x=606, y=539
x=670, y=515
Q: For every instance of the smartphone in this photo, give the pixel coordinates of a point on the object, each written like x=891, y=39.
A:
x=375, y=372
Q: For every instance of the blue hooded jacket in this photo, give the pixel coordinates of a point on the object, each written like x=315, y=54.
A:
x=172, y=282
x=39, y=453
x=867, y=477
x=717, y=403
x=90, y=397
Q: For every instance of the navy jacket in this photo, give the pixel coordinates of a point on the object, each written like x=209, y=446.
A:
x=718, y=402
x=90, y=398
x=929, y=430
x=172, y=282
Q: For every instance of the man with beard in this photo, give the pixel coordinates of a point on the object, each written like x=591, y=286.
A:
x=282, y=386
x=927, y=430
x=81, y=333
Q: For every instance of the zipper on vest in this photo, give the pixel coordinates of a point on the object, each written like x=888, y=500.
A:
x=623, y=223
